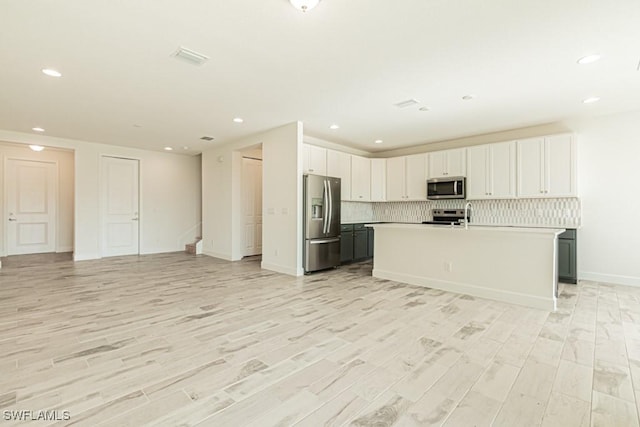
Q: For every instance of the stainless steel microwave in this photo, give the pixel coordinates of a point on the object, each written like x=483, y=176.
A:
x=446, y=188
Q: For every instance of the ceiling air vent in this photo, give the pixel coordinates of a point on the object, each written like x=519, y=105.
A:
x=207, y=138
x=190, y=56
x=408, y=103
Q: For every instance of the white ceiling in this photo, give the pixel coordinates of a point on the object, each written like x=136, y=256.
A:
x=345, y=62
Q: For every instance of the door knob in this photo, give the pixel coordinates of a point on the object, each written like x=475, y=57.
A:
x=12, y=219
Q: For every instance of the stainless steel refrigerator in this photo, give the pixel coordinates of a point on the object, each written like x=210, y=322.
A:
x=321, y=222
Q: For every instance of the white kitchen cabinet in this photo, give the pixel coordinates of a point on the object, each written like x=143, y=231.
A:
x=360, y=179
x=396, y=179
x=547, y=167
x=491, y=171
x=339, y=165
x=407, y=178
x=448, y=163
x=314, y=160
x=378, y=180
x=416, y=172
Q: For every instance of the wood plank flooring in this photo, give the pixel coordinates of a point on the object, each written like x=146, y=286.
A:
x=174, y=339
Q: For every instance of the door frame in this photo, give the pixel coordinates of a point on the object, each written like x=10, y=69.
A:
x=242, y=191
x=101, y=199
x=5, y=213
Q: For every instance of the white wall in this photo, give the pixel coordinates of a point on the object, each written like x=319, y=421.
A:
x=64, y=159
x=281, y=199
x=608, y=171
x=169, y=194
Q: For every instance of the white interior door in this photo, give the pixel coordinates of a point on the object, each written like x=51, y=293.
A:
x=252, y=206
x=31, y=207
x=120, y=224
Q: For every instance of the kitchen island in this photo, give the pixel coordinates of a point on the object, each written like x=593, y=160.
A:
x=511, y=264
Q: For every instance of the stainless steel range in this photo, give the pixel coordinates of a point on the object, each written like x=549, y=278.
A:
x=448, y=217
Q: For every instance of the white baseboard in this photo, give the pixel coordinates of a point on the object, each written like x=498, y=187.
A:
x=85, y=257
x=62, y=249
x=217, y=255
x=541, y=303
x=613, y=279
x=281, y=269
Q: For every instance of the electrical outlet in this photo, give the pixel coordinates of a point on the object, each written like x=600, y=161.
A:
x=275, y=252
x=448, y=266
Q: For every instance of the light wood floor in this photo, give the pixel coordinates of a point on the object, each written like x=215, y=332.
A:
x=174, y=339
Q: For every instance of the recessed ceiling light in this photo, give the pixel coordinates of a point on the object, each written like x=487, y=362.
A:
x=36, y=147
x=37, y=129
x=185, y=148
x=378, y=141
x=589, y=59
x=51, y=72
x=238, y=120
x=334, y=127
x=304, y=5
x=590, y=100
x=468, y=97
x=168, y=148
x=423, y=109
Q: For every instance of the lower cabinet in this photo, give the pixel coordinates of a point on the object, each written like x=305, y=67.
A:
x=567, y=257
x=346, y=243
x=360, y=242
x=356, y=243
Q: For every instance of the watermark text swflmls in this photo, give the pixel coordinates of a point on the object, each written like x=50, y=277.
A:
x=40, y=415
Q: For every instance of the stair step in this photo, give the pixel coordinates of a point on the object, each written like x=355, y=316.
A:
x=190, y=248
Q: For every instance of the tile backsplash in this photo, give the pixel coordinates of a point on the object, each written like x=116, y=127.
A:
x=564, y=212
x=356, y=212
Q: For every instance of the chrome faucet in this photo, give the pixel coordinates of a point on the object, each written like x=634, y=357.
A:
x=467, y=208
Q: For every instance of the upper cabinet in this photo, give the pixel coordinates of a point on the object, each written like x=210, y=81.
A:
x=407, y=178
x=448, y=163
x=360, y=179
x=339, y=165
x=491, y=171
x=547, y=167
x=314, y=159
x=378, y=180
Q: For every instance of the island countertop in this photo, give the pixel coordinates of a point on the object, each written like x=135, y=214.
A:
x=510, y=264
x=471, y=227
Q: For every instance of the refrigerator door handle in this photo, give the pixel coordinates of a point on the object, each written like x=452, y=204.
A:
x=322, y=241
x=325, y=206
x=330, y=220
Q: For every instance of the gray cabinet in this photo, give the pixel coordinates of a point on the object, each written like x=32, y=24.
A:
x=346, y=243
x=356, y=243
x=360, y=242
x=567, y=257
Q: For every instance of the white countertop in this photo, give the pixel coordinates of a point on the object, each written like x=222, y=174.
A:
x=472, y=228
